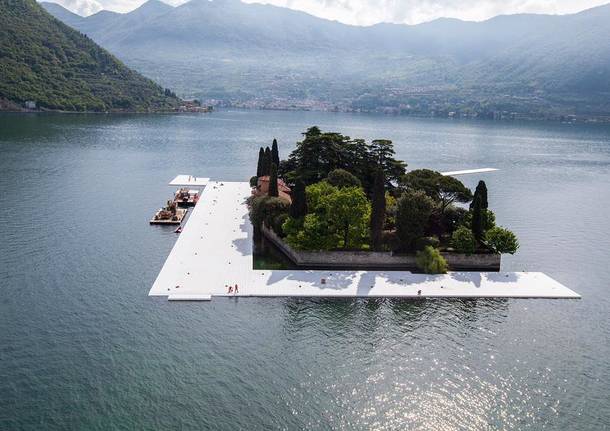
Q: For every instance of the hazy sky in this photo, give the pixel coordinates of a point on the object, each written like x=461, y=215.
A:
x=365, y=12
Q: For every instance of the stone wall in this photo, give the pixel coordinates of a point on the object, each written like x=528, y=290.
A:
x=378, y=260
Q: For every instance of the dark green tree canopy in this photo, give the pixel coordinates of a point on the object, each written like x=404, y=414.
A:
x=378, y=209
x=273, y=190
x=477, y=223
x=275, y=155
x=320, y=153
x=267, y=162
x=412, y=215
x=298, y=208
x=260, y=166
x=342, y=178
x=445, y=190
x=481, y=193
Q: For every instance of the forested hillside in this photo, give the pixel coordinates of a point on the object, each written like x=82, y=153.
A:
x=258, y=55
x=45, y=61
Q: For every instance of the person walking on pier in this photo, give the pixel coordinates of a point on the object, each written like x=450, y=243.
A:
x=236, y=289
x=230, y=289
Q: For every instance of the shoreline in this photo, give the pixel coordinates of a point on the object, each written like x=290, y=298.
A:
x=603, y=121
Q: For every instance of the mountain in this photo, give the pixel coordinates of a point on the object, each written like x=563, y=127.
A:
x=267, y=56
x=44, y=60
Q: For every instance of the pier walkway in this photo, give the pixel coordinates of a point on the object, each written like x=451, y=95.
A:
x=214, y=250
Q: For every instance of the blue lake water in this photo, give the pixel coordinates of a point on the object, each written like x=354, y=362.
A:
x=83, y=347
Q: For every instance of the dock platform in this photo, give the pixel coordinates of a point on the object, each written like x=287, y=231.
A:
x=215, y=248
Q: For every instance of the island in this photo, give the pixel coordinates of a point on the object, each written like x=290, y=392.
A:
x=341, y=202
x=349, y=221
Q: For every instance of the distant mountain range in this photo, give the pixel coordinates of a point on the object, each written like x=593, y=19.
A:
x=266, y=56
x=46, y=62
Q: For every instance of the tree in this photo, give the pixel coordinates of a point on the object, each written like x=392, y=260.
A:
x=452, y=190
x=267, y=162
x=298, y=208
x=378, y=208
x=502, y=240
x=260, y=166
x=430, y=261
x=320, y=153
x=488, y=219
x=477, y=219
x=412, y=215
x=481, y=193
x=312, y=233
x=337, y=218
x=273, y=190
x=463, y=240
x=275, y=155
x=342, y=178
x=382, y=153
x=348, y=212
x=265, y=209
x=445, y=190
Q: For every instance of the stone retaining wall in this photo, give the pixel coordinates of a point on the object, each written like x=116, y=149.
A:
x=378, y=260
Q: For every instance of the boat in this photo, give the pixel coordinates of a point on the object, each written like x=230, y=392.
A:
x=186, y=198
x=170, y=214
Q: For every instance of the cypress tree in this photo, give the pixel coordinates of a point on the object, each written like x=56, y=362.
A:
x=275, y=154
x=477, y=218
x=261, y=162
x=481, y=193
x=273, y=191
x=267, y=162
x=377, y=209
x=298, y=208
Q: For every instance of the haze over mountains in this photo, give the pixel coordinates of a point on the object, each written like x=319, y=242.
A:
x=266, y=56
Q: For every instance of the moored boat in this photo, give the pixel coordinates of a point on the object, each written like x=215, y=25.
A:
x=170, y=214
x=185, y=197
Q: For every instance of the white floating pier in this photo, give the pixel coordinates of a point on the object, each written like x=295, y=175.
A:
x=189, y=180
x=468, y=171
x=189, y=297
x=214, y=251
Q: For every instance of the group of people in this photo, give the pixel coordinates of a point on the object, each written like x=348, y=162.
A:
x=233, y=290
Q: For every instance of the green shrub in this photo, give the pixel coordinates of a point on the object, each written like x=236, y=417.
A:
x=253, y=181
x=264, y=209
x=425, y=241
x=502, y=240
x=463, y=240
x=430, y=261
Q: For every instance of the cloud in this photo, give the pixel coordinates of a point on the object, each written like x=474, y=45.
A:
x=367, y=12
x=82, y=7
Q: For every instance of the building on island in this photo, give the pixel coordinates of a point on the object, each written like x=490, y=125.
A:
x=262, y=188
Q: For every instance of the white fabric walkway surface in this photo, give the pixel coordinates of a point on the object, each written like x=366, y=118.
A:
x=468, y=171
x=214, y=250
x=189, y=180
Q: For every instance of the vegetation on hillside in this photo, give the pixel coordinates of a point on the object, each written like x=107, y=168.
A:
x=518, y=66
x=45, y=61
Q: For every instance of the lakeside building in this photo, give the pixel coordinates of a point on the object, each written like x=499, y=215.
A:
x=262, y=188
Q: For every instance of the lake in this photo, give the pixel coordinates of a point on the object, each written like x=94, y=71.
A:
x=83, y=347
